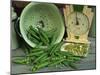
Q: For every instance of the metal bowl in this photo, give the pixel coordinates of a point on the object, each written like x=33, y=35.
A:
x=49, y=14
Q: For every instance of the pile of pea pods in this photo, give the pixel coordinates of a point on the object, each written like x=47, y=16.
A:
x=45, y=54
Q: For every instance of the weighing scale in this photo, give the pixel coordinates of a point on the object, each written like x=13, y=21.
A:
x=78, y=25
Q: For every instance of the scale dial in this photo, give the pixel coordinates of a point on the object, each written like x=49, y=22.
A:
x=78, y=23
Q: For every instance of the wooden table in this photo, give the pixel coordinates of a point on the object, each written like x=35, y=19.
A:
x=87, y=63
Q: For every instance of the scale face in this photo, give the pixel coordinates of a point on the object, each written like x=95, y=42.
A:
x=78, y=23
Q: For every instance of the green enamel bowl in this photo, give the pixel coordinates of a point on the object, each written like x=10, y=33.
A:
x=49, y=14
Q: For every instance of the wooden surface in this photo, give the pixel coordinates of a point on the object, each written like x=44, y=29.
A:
x=87, y=63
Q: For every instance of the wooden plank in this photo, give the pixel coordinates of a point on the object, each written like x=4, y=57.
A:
x=85, y=64
x=17, y=52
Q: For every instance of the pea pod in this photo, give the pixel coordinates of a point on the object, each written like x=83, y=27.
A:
x=45, y=59
x=53, y=48
x=65, y=63
x=49, y=48
x=33, y=34
x=57, y=58
x=43, y=36
x=33, y=29
x=41, y=65
x=40, y=57
x=57, y=62
x=39, y=45
x=21, y=61
x=56, y=47
x=32, y=39
x=66, y=53
x=59, y=46
x=57, y=54
x=36, y=53
x=31, y=58
x=74, y=58
x=34, y=69
x=37, y=49
x=43, y=40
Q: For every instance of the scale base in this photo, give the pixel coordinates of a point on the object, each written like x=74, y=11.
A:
x=77, y=49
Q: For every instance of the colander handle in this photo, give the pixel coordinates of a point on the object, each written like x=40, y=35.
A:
x=16, y=27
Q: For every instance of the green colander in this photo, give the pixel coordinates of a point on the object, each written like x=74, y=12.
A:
x=49, y=14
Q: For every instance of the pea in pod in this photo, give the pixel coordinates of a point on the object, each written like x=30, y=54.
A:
x=74, y=58
x=33, y=34
x=32, y=39
x=66, y=53
x=39, y=66
x=39, y=45
x=57, y=54
x=37, y=49
x=57, y=58
x=33, y=29
x=56, y=47
x=40, y=57
x=65, y=63
x=43, y=65
x=43, y=36
x=45, y=59
x=49, y=48
x=36, y=53
x=21, y=61
x=57, y=62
